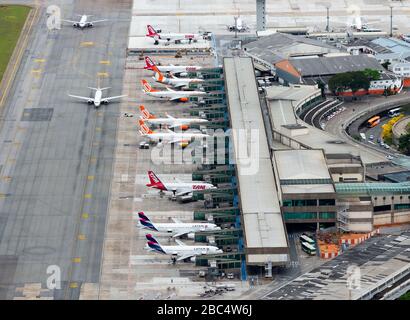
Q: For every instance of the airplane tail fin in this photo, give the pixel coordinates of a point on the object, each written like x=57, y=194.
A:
x=154, y=244
x=154, y=181
x=146, y=86
x=146, y=114
x=151, y=32
x=158, y=75
x=106, y=88
x=144, y=128
x=144, y=221
x=142, y=215
x=92, y=88
x=149, y=64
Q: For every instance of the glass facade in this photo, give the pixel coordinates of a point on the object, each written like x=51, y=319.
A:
x=299, y=203
x=402, y=206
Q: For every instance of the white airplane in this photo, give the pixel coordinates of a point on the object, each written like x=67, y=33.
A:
x=177, y=228
x=239, y=26
x=168, y=37
x=174, y=81
x=181, y=70
x=181, y=251
x=178, y=188
x=84, y=23
x=98, y=99
x=170, y=94
x=169, y=136
x=169, y=121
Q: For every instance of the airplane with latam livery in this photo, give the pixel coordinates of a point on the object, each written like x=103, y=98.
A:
x=180, y=252
x=98, y=98
x=177, y=228
x=158, y=36
x=169, y=136
x=180, y=70
x=171, y=95
x=175, y=81
x=178, y=188
x=169, y=121
x=83, y=22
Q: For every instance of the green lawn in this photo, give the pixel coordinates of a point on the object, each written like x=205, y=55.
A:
x=406, y=296
x=12, y=18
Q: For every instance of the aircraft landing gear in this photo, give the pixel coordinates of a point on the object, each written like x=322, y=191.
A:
x=174, y=260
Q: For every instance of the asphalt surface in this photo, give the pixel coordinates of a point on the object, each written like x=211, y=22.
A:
x=57, y=154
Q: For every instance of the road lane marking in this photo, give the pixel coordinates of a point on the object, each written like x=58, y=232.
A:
x=81, y=237
x=85, y=216
x=88, y=196
x=86, y=44
x=77, y=260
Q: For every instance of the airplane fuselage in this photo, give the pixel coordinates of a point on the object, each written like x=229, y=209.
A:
x=172, y=94
x=176, y=228
x=175, y=121
x=180, y=136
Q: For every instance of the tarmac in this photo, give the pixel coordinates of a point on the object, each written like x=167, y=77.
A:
x=57, y=153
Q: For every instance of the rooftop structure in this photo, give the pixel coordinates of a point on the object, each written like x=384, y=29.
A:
x=265, y=235
x=279, y=46
x=284, y=102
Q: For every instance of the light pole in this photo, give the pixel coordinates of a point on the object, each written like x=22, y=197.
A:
x=391, y=21
x=327, y=18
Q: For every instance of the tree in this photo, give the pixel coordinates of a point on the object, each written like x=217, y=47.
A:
x=386, y=65
x=354, y=80
x=371, y=74
x=404, y=143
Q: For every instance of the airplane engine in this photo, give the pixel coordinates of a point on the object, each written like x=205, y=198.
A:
x=90, y=102
x=193, y=259
x=105, y=101
x=91, y=25
x=75, y=25
x=191, y=236
x=184, y=127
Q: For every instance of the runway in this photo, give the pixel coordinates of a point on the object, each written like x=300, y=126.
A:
x=57, y=154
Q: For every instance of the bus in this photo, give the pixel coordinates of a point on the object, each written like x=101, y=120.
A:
x=307, y=239
x=394, y=112
x=308, y=248
x=372, y=122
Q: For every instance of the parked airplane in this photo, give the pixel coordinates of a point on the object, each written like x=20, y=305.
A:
x=84, y=23
x=169, y=121
x=174, y=81
x=239, y=26
x=168, y=37
x=98, y=99
x=178, y=188
x=180, y=70
x=169, y=136
x=177, y=228
x=181, y=251
x=170, y=94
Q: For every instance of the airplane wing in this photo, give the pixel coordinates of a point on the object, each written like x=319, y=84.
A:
x=176, y=220
x=179, y=234
x=70, y=21
x=96, y=21
x=82, y=98
x=169, y=89
x=177, y=97
x=176, y=124
x=179, y=85
x=112, y=98
x=170, y=117
x=186, y=256
x=180, y=243
x=182, y=192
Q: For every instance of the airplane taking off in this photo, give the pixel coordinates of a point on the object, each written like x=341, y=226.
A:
x=98, y=99
x=181, y=251
x=181, y=70
x=84, y=23
x=168, y=37
x=170, y=94
x=174, y=81
x=169, y=121
x=178, y=188
x=182, y=138
x=177, y=228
